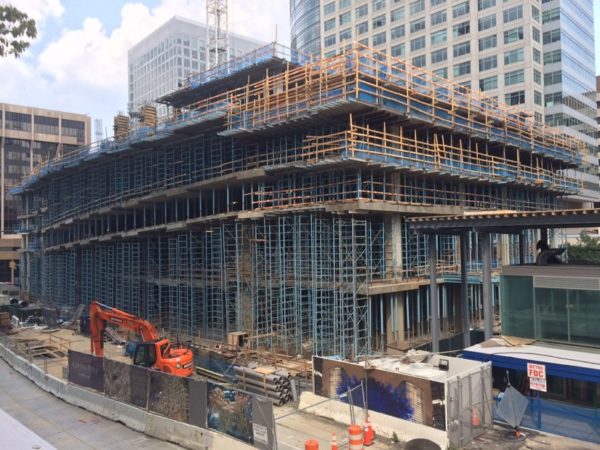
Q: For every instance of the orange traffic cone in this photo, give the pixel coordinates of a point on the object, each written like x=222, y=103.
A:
x=476, y=422
x=369, y=433
x=334, y=444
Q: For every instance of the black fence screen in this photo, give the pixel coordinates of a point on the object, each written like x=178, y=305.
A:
x=86, y=370
x=139, y=386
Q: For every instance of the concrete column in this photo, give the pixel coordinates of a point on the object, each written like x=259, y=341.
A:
x=522, y=248
x=464, y=292
x=60, y=140
x=504, y=198
x=2, y=171
x=393, y=246
x=433, y=295
x=395, y=319
x=544, y=235
x=486, y=279
x=31, y=141
x=462, y=196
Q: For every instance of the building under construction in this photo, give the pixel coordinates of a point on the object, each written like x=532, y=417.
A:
x=272, y=202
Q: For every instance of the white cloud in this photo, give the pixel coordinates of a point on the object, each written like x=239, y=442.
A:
x=85, y=69
x=259, y=19
x=39, y=10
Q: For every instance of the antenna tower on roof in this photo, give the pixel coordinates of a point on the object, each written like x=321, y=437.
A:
x=217, y=41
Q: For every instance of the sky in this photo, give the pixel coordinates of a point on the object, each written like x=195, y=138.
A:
x=78, y=63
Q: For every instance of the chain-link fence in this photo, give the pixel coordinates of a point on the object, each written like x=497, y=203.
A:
x=469, y=406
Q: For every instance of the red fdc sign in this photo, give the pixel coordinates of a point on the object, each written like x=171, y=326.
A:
x=536, y=371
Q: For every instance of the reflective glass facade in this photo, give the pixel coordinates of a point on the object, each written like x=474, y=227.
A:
x=305, y=21
x=569, y=68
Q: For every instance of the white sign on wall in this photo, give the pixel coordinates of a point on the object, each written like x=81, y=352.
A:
x=261, y=433
x=536, y=370
x=537, y=377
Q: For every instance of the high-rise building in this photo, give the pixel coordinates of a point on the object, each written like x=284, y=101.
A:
x=570, y=85
x=537, y=55
x=162, y=61
x=29, y=136
x=598, y=103
x=491, y=45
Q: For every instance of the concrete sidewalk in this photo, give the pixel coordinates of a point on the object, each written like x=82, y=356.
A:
x=62, y=425
x=17, y=436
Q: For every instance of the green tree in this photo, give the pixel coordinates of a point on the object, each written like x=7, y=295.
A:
x=16, y=28
x=586, y=251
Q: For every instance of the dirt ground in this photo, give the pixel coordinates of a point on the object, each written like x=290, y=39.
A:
x=51, y=345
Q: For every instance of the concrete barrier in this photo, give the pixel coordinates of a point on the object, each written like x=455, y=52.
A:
x=173, y=431
x=130, y=416
x=383, y=424
x=138, y=419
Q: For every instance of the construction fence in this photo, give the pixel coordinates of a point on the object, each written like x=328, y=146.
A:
x=197, y=402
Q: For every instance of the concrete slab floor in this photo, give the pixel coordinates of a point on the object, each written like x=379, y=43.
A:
x=62, y=425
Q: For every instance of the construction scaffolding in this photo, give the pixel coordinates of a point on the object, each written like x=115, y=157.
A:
x=271, y=201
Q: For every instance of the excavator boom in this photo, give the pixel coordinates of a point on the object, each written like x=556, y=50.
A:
x=101, y=314
x=152, y=352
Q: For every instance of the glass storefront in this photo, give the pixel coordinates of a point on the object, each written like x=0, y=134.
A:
x=564, y=315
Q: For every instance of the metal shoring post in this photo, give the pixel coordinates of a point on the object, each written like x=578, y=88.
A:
x=488, y=311
x=464, y=293
x=433, y=295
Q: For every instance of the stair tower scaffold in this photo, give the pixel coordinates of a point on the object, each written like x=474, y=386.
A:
x=217, y=41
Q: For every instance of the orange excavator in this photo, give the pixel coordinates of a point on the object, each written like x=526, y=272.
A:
x=152, y=352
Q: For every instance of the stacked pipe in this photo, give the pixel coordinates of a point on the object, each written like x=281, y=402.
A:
x=276, y=386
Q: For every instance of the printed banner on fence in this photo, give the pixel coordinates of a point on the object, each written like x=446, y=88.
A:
x=395, y=394
x=230, y=412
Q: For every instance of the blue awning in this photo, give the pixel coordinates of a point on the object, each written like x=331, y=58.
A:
x=577, y=363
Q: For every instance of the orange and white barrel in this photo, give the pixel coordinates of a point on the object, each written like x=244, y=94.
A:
x=311, y=444
x=355, y=437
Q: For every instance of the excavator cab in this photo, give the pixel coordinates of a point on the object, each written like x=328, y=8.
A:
x=145, y=354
